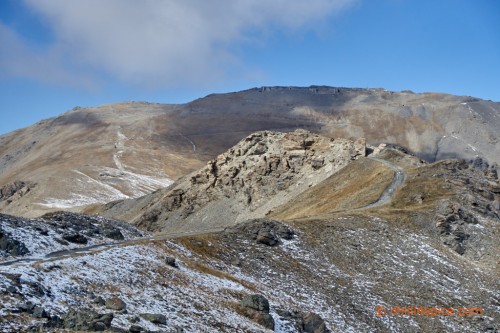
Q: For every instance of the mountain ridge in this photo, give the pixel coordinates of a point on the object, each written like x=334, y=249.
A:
x=130, y=149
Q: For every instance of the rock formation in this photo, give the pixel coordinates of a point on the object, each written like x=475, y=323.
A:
x=261, y=172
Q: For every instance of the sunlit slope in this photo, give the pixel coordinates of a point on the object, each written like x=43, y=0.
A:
x=359, y=184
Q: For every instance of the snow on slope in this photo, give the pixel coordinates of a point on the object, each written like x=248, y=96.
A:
x=102, y=184
x=112, y=184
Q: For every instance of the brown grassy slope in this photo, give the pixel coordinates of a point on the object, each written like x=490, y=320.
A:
x=416, y=201
x=355, y=186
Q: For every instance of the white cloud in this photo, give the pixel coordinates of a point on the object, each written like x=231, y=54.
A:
x=162, y=42
x=18, y=59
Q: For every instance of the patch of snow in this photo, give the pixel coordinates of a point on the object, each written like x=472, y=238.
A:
x=281, y=325
x=121, y=146
x=471, y=146
x=190, y=141
x=101, y=192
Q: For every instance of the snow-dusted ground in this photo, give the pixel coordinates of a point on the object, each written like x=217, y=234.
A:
x=43, y=236
x=112, y=183
x=193, y=300
x=342, y=281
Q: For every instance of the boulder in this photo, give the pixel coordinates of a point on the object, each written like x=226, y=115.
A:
x=135, y=329
x=267, y=236
x=263, y=319
x=313, y=323
x=115, y=303
x=155, y=318
x=263, y=231
x=75, y=238
x=112, y=233
x=256, y=307
x=26, y=307
x=82, y=320
x=255, y=302
x=99, y=301
x=39, y=312
x=12, y=246
x=170, y=261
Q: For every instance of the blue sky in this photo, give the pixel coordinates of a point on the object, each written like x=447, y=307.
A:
x=57, y=54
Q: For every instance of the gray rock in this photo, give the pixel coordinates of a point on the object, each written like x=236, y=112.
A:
x=170, y=261
x=264, y=319
x=75, y=238
x=263, y=231
x=11, y=289
x=12, y=246
x=267, y=236
x=36, y=288
x=98, y=326
x=135, y=329
x=155, y=318
x=82, y=320
x=313, y=323
x=100, y=301
x=39, y=312
x=112, y=233
x=26, y=307
x=255, y=302
x=115, y=303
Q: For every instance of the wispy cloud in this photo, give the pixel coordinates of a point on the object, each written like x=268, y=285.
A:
x=19, y=59
x=154, y=42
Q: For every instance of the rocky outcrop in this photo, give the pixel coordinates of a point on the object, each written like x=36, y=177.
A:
x=451, y=221
x=155, y=318
x=81, y=320
x=58, y=231
x=256, y=307
x=10, y=246
x=263, y=231
x=115, y=303
x=261, y=172
x=15, y=190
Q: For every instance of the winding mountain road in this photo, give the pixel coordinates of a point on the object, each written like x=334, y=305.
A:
x=388, y=194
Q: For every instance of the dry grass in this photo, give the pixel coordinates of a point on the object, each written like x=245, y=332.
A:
x=208, y=248
x=358, y=185
x=423, y=188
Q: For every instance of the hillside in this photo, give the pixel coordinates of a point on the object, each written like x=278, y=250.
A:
x=126, y=150
x=359, y=248
x=260, y=173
